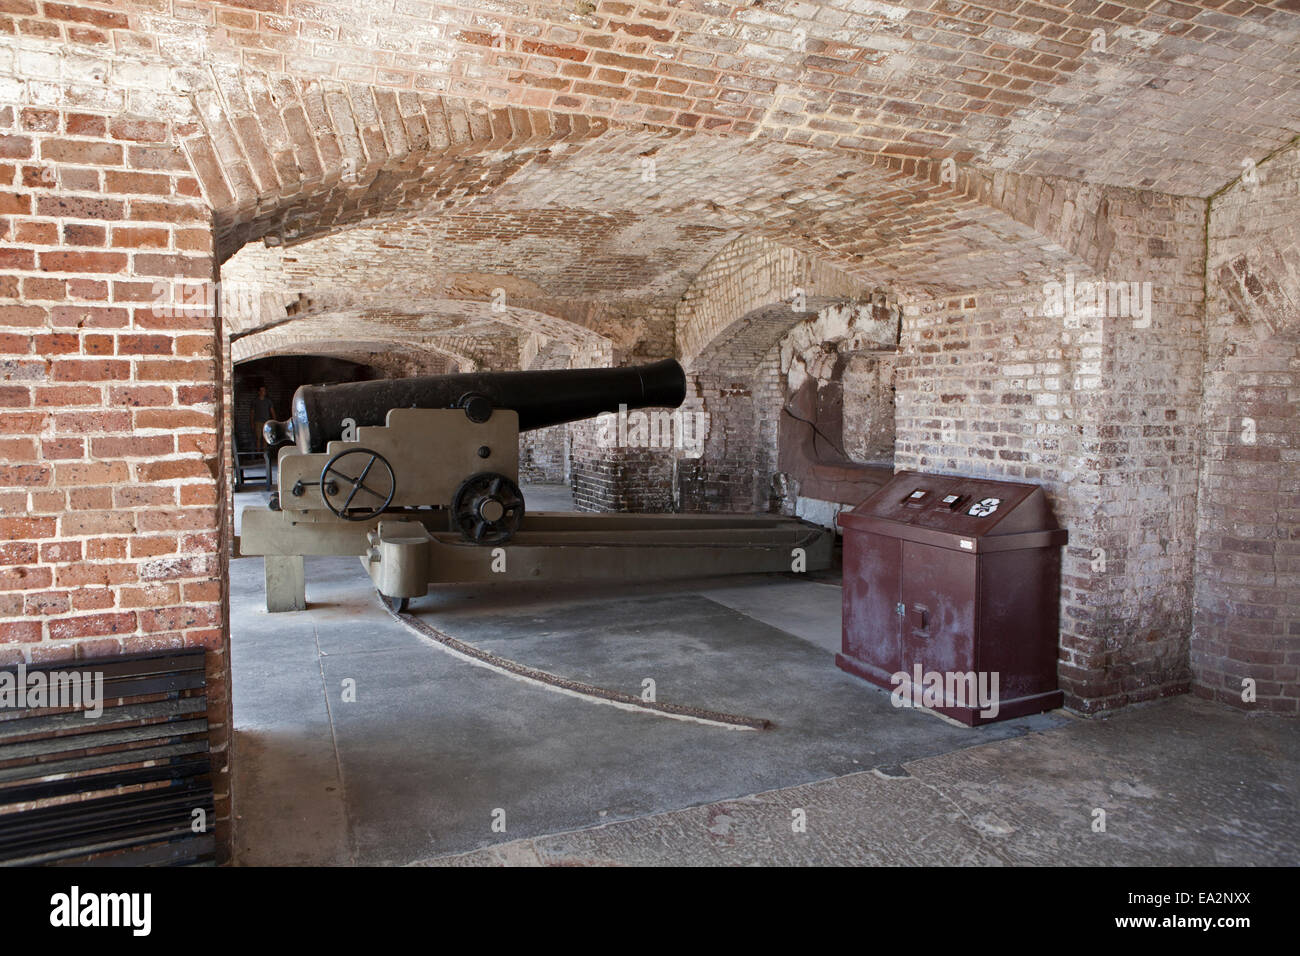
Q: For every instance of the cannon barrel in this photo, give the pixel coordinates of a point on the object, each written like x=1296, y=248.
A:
x=541, y=398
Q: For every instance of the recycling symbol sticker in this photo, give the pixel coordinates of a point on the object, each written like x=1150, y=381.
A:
x=984, y=507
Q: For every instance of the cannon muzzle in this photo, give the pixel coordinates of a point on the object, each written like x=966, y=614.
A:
x=320, y=413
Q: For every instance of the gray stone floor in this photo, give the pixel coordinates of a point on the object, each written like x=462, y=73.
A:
x=1181, y=783
x=434, y=750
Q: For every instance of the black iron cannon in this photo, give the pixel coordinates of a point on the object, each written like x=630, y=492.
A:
x=321, y=413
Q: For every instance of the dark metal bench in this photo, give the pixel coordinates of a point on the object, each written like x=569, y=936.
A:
x=131, y=787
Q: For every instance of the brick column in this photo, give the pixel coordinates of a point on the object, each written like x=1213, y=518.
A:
x=111, y=514
x=1103, y=413
x=1247, y=612
x=724, y=477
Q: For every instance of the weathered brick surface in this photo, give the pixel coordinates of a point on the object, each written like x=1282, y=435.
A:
x=1013, y=87
x=869, y=407
x=544, y=453
x=1247, y=620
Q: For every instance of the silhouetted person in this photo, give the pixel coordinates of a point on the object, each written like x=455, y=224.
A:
x=262, y=412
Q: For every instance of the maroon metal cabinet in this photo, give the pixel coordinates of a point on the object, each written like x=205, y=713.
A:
x=961, y=576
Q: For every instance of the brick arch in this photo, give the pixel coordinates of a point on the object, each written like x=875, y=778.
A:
x=732, y=302
x=736, y=380
x=738, y=350
x=1067, y=216
x=284, y=158
x=434, y=323
x=380, y=357
x=729, y=323
x=265, y=345
x=751, y=285
x=921, y=228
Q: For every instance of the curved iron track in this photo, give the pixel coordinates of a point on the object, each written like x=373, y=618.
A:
x=565, y=685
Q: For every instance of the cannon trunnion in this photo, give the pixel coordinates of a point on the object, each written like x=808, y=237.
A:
x=428, y=491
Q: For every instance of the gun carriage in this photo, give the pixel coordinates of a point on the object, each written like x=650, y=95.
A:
x=419, y=477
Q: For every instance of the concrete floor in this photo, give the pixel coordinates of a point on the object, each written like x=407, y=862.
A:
x=436, y=754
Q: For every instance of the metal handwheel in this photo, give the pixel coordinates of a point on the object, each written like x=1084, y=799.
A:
x=487, y=508
x=376, y=485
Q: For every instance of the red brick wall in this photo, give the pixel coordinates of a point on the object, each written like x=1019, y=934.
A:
x=110, y=512
x=1247, y=622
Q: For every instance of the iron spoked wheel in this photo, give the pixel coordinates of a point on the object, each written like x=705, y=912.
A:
x=360, y=489
x=487, y=508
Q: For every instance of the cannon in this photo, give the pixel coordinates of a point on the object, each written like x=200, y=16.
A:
x=419, y=477
x=540, y=398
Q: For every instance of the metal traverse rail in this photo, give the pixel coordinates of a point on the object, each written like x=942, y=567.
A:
x=566, y=685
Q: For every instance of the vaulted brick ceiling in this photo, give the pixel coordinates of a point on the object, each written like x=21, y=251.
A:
x=1130, y=94
x=1164, y=94
x=793, y=119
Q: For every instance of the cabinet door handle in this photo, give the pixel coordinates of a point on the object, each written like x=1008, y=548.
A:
x=920, y=617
